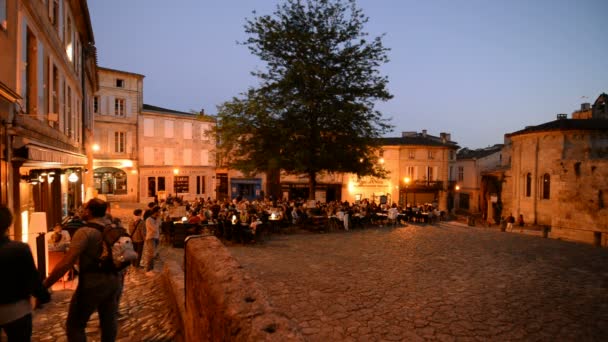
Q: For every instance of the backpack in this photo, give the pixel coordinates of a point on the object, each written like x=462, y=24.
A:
x=139, y=231
x=117, y=248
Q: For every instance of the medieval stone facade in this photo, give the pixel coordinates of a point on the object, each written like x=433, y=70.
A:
x=558, y=177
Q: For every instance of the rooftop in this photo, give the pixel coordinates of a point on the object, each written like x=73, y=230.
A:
x=565, y=125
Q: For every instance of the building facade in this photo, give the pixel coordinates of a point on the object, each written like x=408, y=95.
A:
x=177, y=152
x=418, y=166
x=468, y=175
x=48, y=77
x=558, y=176
x=117, y=107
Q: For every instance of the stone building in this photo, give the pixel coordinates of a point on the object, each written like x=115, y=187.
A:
x=418, y=166
x=558, y=176
x=47, y=79
x=117, y=107
x=468, y=173
x=177, y=154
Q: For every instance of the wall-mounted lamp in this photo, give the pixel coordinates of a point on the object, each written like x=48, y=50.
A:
x=176, y=171
x=73, y=178
x=95, y=147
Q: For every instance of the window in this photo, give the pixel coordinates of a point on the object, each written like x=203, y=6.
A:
x=409, y=172
x=109, y=180
x=187, y=130
x=30, y=72
x=120, y=141
x=204, y=135
x=187, y=156
x=546, y=186
x=412, y=154
x=430, y=173
x=148, y=155
x=55, y=96
x=69, y=48
x=204, y=157
x=119, y=107
x=168, y=129
x=461, y=173
x=168, y=156
x=452, y=155
x=180, y=184
x=68, y=113
x=148, y=127
x=3, y=13
x=96, y=104
x=431, y=154
x=200, y=185
x=120, y=83
x=53, y=13
x=528, y=185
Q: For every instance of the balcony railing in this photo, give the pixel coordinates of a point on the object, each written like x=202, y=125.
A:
x=426, y=185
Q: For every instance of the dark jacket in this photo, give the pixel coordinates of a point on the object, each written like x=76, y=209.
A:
x=20, y=276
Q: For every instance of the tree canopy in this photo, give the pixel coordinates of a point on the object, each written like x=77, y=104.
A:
x=313, y=110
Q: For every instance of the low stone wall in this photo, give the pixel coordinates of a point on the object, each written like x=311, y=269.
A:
x=222, y=303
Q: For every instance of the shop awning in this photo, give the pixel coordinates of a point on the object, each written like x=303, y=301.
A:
x=37, y=154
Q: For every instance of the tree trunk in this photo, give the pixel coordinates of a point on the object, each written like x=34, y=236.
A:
x=312, y=185
x=274, y=183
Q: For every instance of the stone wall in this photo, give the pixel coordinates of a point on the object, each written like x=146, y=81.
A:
x=222, y=303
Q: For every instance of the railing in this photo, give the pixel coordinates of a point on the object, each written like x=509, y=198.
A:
x=424, y=184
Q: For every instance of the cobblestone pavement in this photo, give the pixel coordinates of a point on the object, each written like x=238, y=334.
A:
x=445, y=282
x=145, y=314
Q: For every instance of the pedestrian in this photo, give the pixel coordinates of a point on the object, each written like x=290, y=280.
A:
x=151, y=243
x=520, y=220
x=137, y=230
x=510, y=221
x=98, y=289
x=21, y=280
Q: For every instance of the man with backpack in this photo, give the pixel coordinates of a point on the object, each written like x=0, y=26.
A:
x=98, y=286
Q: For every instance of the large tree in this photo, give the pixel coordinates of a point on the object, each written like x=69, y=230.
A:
x=313, y=110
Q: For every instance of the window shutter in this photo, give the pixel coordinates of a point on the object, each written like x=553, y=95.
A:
x=111, y=142
x=435, y=173
x=111, y=106
x=129, y=143
x=128, y=107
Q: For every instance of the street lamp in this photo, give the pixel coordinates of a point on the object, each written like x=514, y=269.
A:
x=406, y=180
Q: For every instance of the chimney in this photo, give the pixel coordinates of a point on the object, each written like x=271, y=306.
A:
x=585, y=106
x=424, y=133
x=202, y=112
x=442, y=136
x=562, y=116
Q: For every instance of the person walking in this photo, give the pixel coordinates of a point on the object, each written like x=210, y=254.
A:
x=21, y=280
x=98, y=289
x=151, y=243
x=137, y=230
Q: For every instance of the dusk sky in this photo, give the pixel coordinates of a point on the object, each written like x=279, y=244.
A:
x=474, y=68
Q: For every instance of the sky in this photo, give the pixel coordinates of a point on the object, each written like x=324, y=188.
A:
x=477, y=69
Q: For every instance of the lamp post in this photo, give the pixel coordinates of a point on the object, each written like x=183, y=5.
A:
x=407, y=181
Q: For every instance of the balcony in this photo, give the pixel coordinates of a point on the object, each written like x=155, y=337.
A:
x=426, y=185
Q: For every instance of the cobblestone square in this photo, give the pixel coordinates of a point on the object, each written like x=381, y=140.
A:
x=436, y=282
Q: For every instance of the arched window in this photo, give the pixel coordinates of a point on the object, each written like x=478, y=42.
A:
x=546, y=186
x=109, y=180
x=528, y=184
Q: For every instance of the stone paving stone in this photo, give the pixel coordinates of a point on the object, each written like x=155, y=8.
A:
x=446, y=282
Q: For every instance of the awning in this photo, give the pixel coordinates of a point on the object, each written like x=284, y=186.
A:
x=37, y=154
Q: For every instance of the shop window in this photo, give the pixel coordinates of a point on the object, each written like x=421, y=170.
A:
x=181, y=184
x=109, y=180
